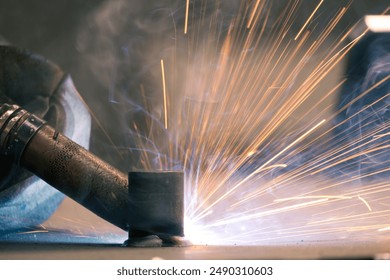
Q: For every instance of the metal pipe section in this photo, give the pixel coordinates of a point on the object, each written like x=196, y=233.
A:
x=63, y=164
x=156, y=204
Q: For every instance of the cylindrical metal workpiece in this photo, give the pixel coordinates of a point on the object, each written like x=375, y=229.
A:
x=64, y=164
x=156, y=204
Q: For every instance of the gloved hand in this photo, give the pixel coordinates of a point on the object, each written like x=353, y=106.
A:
x=364, y=121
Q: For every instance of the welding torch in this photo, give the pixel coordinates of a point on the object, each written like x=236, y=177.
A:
x=65, y=165
x=152, y=205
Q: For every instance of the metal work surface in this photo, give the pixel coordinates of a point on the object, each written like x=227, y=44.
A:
x=300, y=250
x=51, y=243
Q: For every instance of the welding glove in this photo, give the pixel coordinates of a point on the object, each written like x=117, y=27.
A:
x=364, y=107
x=43, y=89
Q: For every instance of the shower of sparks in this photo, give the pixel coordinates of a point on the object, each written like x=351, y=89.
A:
x=165, y=94
x=240, y=183
x=266, y=213
x=252, y=123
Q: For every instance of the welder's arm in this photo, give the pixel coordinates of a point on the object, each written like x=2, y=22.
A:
x=43, y=89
